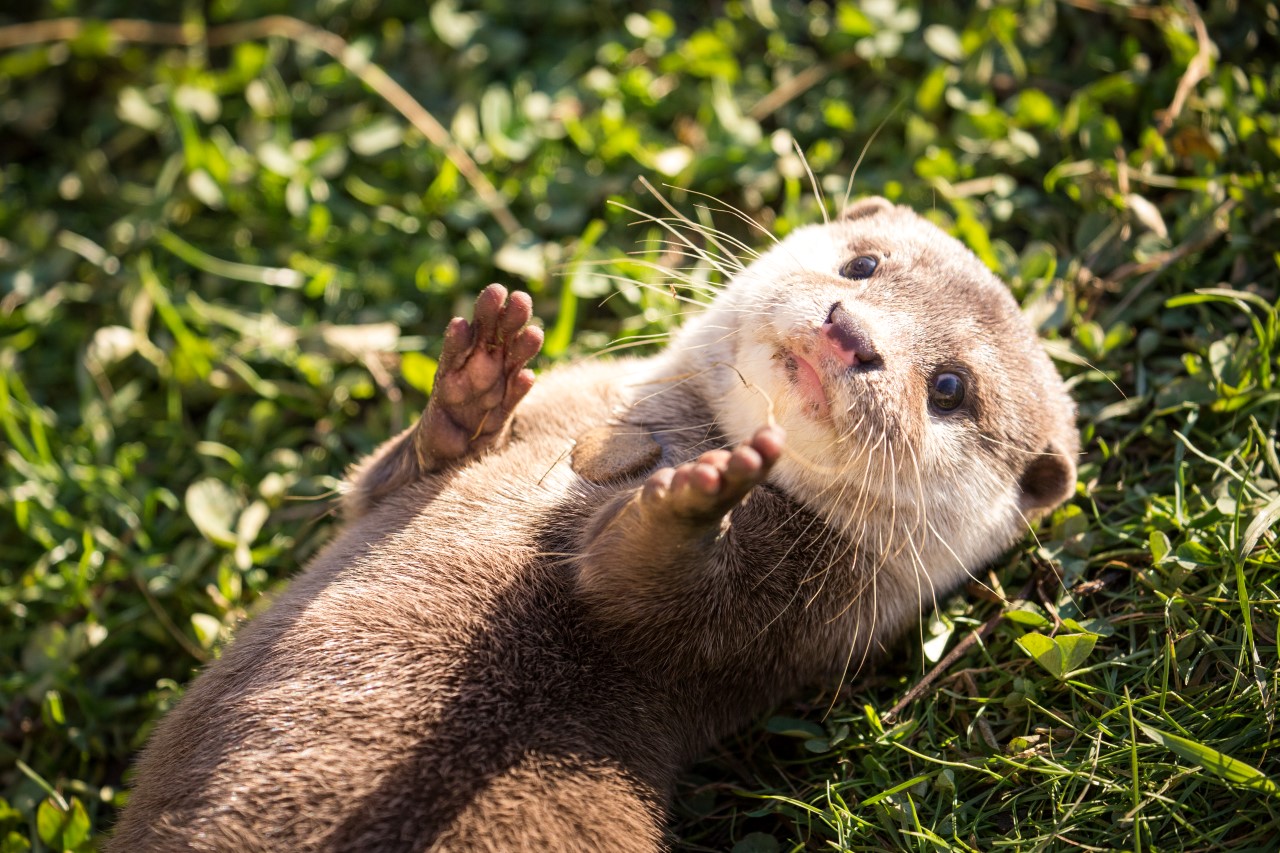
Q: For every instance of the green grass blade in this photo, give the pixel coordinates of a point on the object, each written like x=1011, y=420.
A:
x=1223, y=766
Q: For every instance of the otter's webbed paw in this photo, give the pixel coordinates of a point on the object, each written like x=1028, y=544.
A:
x=658, y=541
x=708, y=487
x=654, y=550
x=481, y=377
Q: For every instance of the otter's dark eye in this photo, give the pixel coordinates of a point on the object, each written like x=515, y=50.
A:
x=946, y=392
x=860, y=267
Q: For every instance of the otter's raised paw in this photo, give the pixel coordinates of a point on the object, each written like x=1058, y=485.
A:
x=482, y=376
x=712, y=484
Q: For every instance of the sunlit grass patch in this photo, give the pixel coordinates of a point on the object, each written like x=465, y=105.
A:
x=227, y=255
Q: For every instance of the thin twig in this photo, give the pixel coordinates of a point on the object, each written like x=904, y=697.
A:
x=387, y=386
x=181, y=638
x=1140, y=12
x=299, y=32
x=788, y=91
x=984, y=728
x=123, y=29
x=1197, y=70
x=1216, y=224
x=922, y=686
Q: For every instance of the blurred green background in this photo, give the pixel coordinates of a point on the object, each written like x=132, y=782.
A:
x=229, y=244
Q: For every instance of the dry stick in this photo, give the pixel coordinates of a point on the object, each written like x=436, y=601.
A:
x=1197, y=70
x=387, y=386
x=922, y=686
x=300, y=32
x=1216, y=225
x=982, y=633
x=799, y=84
x=174, y=631
x=984, y=727
x=1140, y=12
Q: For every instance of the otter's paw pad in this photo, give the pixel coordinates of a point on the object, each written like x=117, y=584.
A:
x=715, y=482
x=482, y=373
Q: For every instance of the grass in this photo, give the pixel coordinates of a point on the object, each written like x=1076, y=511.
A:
x=228, y=247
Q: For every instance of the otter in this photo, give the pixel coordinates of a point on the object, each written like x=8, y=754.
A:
x=549, y=597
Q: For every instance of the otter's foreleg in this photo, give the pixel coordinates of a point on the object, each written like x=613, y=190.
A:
x=480, y=379
x=658, y=542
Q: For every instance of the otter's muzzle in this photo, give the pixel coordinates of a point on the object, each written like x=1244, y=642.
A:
x=846, y=339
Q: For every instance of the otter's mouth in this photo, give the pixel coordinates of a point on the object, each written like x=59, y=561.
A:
x=804, y=377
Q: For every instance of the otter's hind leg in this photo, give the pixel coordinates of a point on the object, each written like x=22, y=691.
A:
x=480, y=380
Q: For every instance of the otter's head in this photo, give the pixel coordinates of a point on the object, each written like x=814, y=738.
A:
x=923, y=416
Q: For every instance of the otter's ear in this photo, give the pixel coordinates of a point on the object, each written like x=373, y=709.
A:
x=869, y=206
x=1049, y=479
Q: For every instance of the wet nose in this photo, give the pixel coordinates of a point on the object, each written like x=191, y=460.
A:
x=846, y=338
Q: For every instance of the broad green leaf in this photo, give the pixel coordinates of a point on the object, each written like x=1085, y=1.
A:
x=794, y=728
x=1091, y=337
x=380, y=135
x=202, y=102
x=873, y=719
x=248, y=525
x=1039, y=261
x=112, y=344
x=937, y=644
x=762, y=11
x=1223, y=766
x=1075, y=648
x=1099, y=626
x=1060, y=655
x=1195, y=554
x=250, y=522
x=756, y=842
x=49, y=820
x=1044, y=651
x=76, y=833
x=1147, y=213
x=672, y=161
x=1159, y=544
x=1029, y=615
x=452, y=27
x=275, y=158
x=419, y=371
x=134, y=108
x=14, y=843
x=213, y=507
x=205, y=188
x=206, y=628
x=944, y=42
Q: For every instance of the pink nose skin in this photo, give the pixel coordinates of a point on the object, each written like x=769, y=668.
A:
x=844, y=338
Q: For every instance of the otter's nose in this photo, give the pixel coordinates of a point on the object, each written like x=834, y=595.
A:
x=846, y=339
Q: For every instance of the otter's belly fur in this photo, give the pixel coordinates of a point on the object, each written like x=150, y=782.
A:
x=432, y=679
